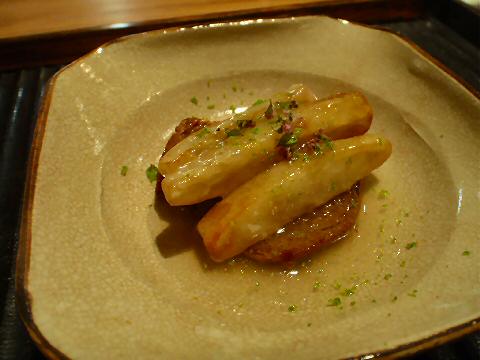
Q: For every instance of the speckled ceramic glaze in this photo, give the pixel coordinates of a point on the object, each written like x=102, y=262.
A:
x=108, y=271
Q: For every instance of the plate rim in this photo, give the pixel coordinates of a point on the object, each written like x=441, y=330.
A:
x=23, y=297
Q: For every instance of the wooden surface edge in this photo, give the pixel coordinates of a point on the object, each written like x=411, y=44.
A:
x=64, y=47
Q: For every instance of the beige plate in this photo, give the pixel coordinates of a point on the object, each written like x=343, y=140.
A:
x=105, y=272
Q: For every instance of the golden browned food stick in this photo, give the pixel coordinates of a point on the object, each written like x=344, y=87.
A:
x=211, y=164
x=277, y=196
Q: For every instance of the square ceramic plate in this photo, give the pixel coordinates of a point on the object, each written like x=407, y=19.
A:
x=107, y=271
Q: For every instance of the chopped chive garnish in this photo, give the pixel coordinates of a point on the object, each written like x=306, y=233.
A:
x=288, y=140
x=413, y=293
x=152, y=173
x=334, y=302
x=124, y=170
x=348, y=292
x=411, y=245
x=327, y=141
x=383, y=194
x=298, y=131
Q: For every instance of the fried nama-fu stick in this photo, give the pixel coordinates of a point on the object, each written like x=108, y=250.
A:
x=287, y=190
x=217, y=159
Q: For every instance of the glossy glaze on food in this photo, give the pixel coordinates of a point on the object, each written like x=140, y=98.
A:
x=300, y=237
x=287, y=190
x=218, y=159
x=242, y=159
x=320, y=227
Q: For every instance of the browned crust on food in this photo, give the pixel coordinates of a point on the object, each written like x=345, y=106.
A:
x=301, y=237
x=186, y=127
